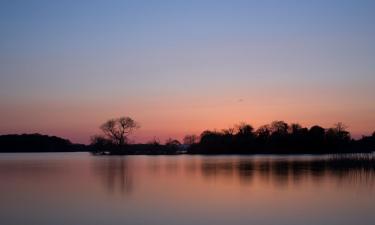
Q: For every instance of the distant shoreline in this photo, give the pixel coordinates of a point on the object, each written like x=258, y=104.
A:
x=210, y=144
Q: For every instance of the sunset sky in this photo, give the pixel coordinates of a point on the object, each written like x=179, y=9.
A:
x=180, y=67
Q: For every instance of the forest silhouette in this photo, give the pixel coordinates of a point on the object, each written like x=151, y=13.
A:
x=277, y=137
x=281, y=138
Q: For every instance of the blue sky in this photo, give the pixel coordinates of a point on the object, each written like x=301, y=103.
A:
x=170, y=64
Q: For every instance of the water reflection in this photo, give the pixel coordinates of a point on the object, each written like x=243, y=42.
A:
x=115, y=173
x=118, y=173
x=67, y=188
x=356, y=171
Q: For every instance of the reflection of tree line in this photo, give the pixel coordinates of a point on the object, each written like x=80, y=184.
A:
x=352, y=169
x=117, y=173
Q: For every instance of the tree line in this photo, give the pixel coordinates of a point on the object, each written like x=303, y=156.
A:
x=277, y=137
x=281, y=138
x=37, y=143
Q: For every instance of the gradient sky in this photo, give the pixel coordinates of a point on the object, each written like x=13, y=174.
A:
x=180, y=67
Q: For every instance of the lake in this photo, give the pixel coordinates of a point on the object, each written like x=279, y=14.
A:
x=78, y=188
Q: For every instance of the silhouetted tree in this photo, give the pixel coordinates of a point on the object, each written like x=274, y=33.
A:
x=118, y=130
x=298, y=135
x=279, y=128
x=172, y=142
x=244, y=138
x=317, y=132
x=229, y=131
x=172, y=146
x=337, y=135
x=316, y=136
x=190, y=139
x=244, y=129
x=100, y=144
x=208, y=137
x=263, y=133
x=295, y=128
x=279, y=134
x=341, y=131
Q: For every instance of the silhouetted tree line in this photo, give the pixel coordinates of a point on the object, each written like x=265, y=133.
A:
x=275, y=138
x=105, y=147
x=115, y=140
x=281, y=138
x=37, y=143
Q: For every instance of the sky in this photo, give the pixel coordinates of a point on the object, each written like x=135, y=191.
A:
x=181, y=67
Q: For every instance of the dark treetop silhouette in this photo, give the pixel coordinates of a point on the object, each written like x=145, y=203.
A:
x=37, y=143
x=281, y=138
x=116, y=140
x=275, y=138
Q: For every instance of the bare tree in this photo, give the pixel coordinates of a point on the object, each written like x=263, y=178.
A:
x=294, y=128
x=341, y=132
x=244, y=129
x=340, y=127
x=190, y=139
x=263, y=132
x=172, y=142
x=229, y=131
x=118, y=130
x=279, y=128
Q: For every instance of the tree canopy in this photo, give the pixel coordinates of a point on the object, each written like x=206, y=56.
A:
x=118, y=130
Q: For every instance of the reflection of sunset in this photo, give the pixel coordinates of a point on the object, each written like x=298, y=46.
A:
x=185, y=188
x=198, y=112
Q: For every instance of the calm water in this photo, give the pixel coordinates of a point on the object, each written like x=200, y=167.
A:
x=77, y=188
